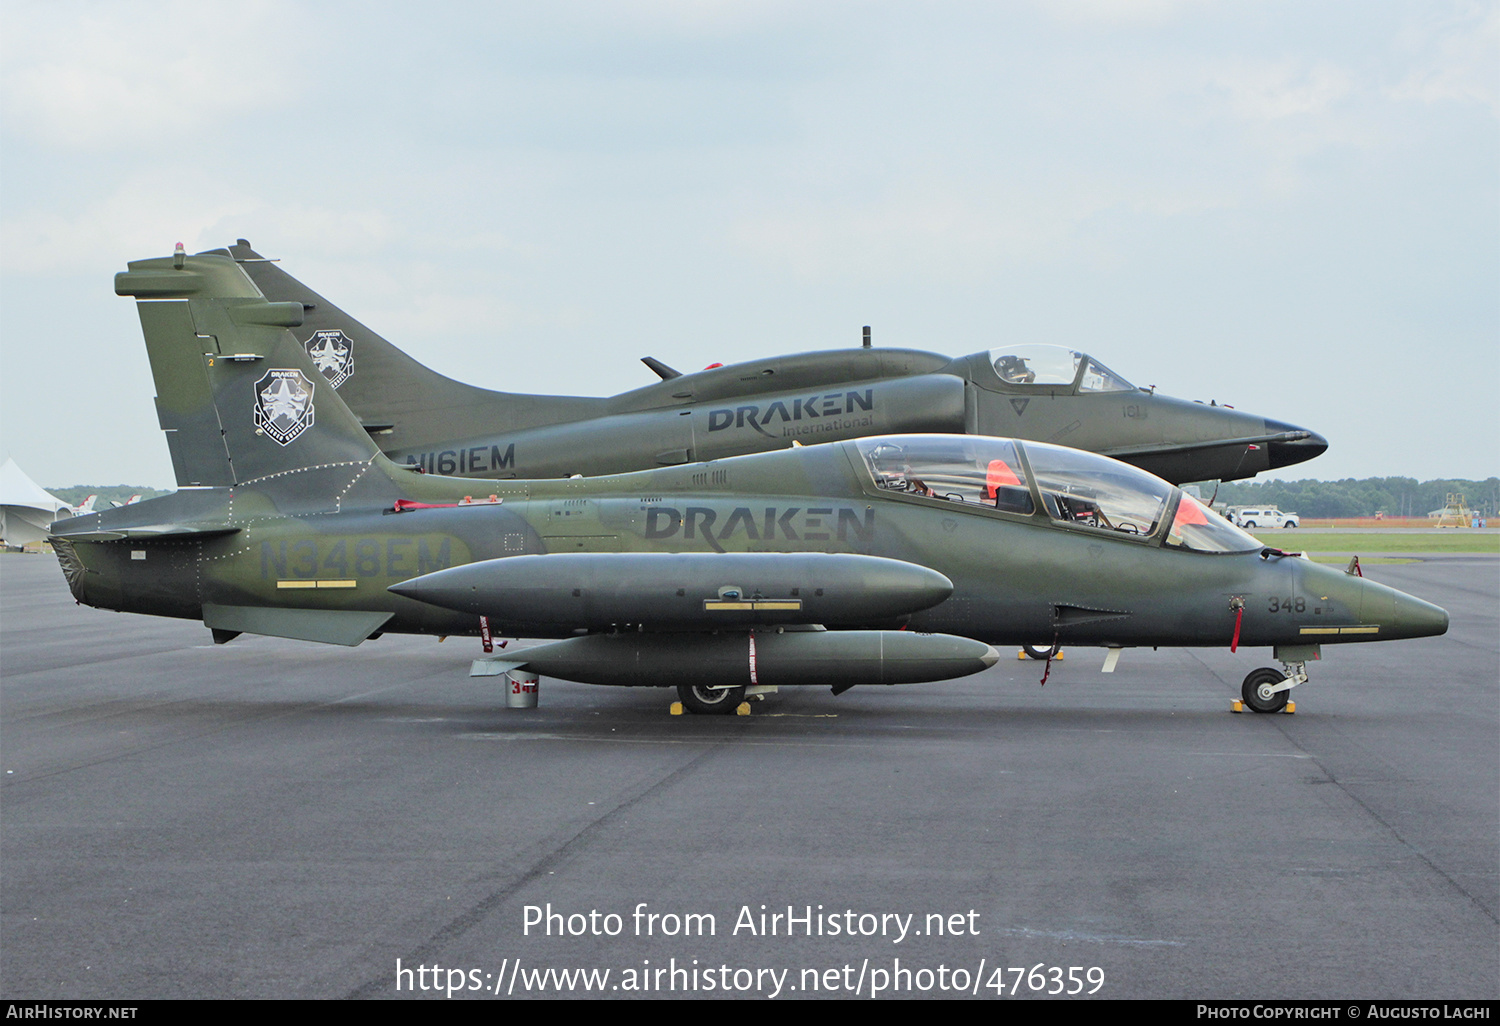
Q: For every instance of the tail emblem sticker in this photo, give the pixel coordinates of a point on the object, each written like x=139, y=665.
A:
x=283, y=405
x=332, y=352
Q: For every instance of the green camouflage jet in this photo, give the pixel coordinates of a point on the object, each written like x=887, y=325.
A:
x=1040, y=392
x=892, y=559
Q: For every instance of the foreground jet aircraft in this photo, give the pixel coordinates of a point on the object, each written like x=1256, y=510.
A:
x=802, y=566
x=1041, y=392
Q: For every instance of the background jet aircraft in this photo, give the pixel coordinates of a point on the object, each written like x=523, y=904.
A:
x=1045, y=393
x=721, y=577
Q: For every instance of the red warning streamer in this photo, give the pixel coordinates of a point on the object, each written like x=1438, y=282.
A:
x=1050, y=653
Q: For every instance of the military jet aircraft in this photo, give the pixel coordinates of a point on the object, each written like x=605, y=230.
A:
x=891, y=559
x=1041, y=392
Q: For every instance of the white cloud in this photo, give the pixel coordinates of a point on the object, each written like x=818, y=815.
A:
x=98, y=75
x=305, y=230
x=701, y=16
x=1115, y=12
x=1462, y=62
x=1283, y=89
x=960, y=231
x=147, y=214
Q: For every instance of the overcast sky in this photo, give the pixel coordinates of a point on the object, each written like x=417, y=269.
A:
x=1289, y=207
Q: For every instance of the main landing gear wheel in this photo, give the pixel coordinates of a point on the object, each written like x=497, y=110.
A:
x=1257, y=693
x=699, y=699
x=1042, y=652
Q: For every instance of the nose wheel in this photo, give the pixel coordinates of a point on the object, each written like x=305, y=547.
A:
x=1266, y=690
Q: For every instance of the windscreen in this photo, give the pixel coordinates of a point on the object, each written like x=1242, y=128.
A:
x=1099, y=378
x=1202, y=530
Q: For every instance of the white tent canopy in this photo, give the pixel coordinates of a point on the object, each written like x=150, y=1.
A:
x=26, y=508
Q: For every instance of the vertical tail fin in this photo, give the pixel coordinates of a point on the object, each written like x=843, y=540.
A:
x=236, y=393
x=404, y=403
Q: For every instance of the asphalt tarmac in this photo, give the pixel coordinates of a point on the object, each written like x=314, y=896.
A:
x=276, y=819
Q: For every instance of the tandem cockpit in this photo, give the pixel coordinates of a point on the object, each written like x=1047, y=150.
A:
x=1069, y=487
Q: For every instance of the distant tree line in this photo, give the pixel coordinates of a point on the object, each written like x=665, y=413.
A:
x=1395, y=496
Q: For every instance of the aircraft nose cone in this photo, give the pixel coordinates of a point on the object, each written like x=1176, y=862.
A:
x=1418, y=619
x=1285, y=454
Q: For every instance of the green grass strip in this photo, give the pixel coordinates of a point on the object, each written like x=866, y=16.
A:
x=1371, y=541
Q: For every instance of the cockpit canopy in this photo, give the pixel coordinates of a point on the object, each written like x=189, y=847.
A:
x=1057, y=366
x=1073, y=488
x=958, y=468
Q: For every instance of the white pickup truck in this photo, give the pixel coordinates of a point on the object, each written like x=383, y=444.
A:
x=1264, y=516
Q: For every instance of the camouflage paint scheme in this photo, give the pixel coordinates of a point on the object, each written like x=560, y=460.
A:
x=417, y=415
x=300, y=532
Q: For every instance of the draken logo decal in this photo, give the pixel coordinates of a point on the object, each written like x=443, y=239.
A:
x=283, y=405
x=332, y=352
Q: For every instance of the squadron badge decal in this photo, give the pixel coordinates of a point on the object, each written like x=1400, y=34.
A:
x=283, y=405
x=332, y=352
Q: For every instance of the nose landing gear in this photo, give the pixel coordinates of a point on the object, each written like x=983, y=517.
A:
x=1266, y=690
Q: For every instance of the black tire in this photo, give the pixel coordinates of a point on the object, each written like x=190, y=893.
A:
x=698, y=699
x=1043, y=652
x=1251, y=523
x=1264, y=677
x=1288, y=526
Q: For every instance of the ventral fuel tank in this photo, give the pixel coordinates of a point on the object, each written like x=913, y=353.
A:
x=766, y=657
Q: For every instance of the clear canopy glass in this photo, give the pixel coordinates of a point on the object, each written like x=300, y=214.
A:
x=1099, y=378
x=1078, y=489
x=1201, y=529
x=958, y=468
x=1054, y=365
x=1088, y=490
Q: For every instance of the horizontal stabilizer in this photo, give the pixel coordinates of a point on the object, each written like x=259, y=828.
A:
x=148, y=532
x=330, y=626
x=598, y=590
